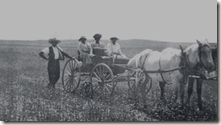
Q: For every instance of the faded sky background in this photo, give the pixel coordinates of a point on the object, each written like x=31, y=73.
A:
x=165, y=20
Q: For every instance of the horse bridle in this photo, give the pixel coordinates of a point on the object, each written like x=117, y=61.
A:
x=199, y=65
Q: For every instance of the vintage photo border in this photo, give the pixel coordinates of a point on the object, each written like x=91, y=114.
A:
x=156, y=123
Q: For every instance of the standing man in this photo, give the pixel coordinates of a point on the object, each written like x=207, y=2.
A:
x=55, y=54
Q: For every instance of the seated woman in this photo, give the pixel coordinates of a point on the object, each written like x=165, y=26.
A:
x=98, y=46
x=114, y=49
x=97, y=43
x=85, y=51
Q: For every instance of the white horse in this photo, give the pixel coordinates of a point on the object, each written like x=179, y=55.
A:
x=169, y=58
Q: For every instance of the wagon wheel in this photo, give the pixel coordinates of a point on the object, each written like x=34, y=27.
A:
x=132, y=83
x=102, y=79
x=71, y=76
x=144, y=78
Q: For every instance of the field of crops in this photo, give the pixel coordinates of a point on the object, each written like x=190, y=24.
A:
x=24, y=97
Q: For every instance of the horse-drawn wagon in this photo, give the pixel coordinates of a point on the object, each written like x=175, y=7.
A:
x=101, y=76
x=169, y=66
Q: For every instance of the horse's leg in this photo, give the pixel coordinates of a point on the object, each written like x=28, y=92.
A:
x=143, y=93
x=190, y=90
x=181, y=92
x=199, y=89
x=162, y=85
x=137, y=86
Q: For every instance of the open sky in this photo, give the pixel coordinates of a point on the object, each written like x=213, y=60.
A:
x=165, y=20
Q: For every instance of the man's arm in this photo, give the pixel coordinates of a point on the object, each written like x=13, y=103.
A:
x=41, y=54
x=119, y=50
x=91, y=50
x=65, y=54
x=109, y=49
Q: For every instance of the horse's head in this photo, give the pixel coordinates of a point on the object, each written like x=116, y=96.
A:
x=205, y=56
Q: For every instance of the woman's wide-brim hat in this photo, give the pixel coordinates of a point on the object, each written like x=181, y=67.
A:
x=53, y=40
x=114, y=38
x=97, y=36
x=82, y=38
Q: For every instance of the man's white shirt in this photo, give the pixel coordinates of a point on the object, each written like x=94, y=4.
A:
x=55, y=49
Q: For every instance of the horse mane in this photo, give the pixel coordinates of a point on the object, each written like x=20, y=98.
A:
x=172, y=50
x=192, y=55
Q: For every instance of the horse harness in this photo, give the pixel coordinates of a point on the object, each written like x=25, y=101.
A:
x=180, y=68
x=160, y=71
x=142, y=67
x=184, y=66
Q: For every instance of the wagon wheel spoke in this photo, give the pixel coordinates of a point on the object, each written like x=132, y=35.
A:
x=67, y=79
x=109, y=85
x=98, y=78
x=107, y=76
x=104, y=78
x=67, y=82
x=68, y=72
x=96, y=88
x=97, y=72
x=108, y=81
x=131, y=85
x=70, y=77
x=101, y=72
x=67, y=85
x=108, y=89
x=70, y=84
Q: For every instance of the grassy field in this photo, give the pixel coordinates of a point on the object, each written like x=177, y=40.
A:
x=24, y=97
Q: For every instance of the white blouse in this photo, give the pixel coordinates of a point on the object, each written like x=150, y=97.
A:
x=113, y=48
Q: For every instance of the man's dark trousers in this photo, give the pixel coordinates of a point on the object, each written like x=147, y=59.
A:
x=53, y=71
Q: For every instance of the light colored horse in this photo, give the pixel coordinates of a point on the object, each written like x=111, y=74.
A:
x=170, y=58
x=149, y=60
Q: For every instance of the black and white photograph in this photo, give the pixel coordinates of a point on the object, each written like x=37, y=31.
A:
x=109, y=60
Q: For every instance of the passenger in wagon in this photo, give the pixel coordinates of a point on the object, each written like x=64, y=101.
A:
x=114, y=49
x=55, y=53
x=97, y=43
x=85, y=50
x=98, y=47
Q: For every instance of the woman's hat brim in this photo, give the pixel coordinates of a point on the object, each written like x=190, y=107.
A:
x=82, y=38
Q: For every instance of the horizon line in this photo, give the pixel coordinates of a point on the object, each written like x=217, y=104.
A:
x=101, y=40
